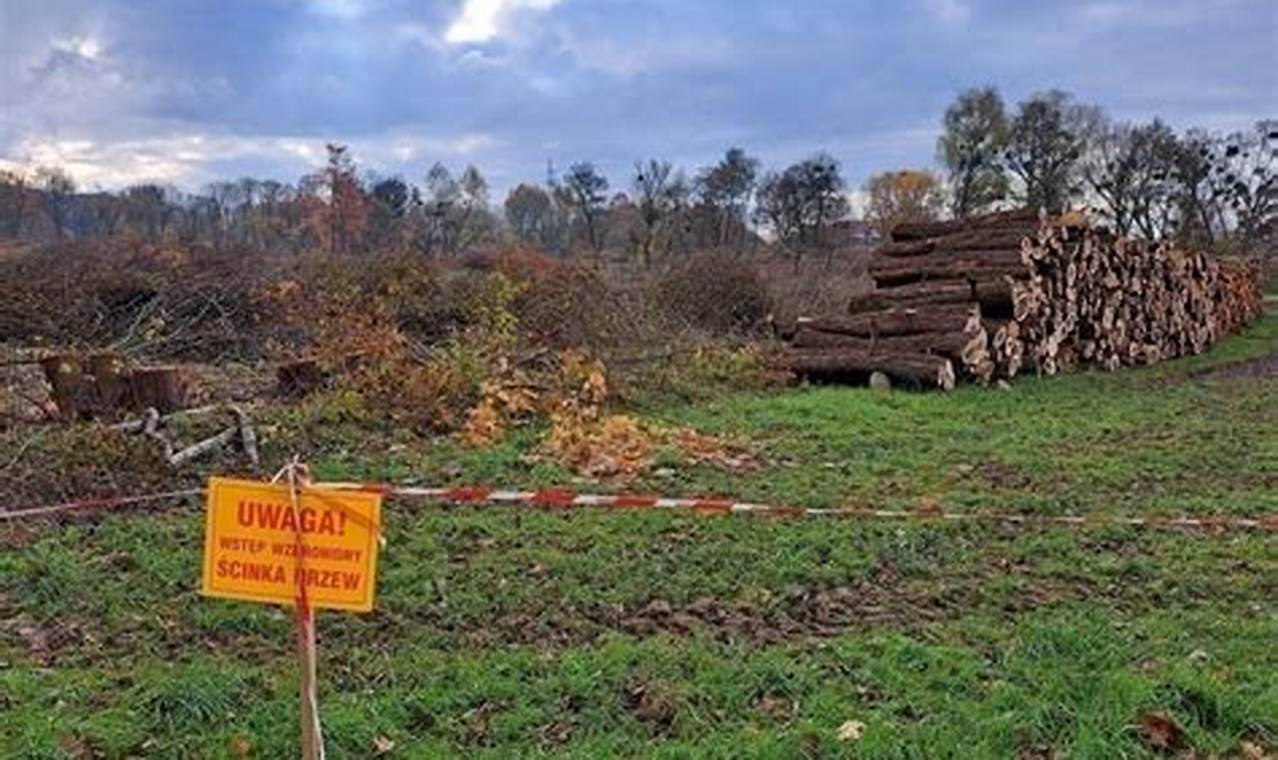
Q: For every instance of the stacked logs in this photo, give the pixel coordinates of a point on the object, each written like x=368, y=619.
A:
x=1240, y=295
x=1091, y=298
x=910, y=346
x=985, y=298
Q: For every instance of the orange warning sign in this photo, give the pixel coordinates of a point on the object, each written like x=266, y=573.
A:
x=258, y=547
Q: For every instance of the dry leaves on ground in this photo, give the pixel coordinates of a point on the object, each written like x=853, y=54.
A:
x=851, y=731
x=708, y=449
x=614, y=447
x=1160, y=732
x=582, y=437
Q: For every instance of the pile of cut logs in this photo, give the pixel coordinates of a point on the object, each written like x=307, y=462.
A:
x=983, y=298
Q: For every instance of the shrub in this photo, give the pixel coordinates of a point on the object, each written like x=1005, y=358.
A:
x=715, y=292
x=817, y=286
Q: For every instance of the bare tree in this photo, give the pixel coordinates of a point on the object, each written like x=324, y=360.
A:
x=660, y=196
x=1245, y=177
x=442, y=195
x=474, y=221
x=147, y=211
x=1131, y=171
x=1044, y=144
x=801, y=203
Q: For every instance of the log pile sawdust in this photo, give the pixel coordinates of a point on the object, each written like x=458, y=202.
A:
x=989, y=297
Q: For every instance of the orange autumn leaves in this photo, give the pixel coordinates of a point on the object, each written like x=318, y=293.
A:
x=583, y=437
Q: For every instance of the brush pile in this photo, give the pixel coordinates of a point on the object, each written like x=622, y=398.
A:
x=985, y=298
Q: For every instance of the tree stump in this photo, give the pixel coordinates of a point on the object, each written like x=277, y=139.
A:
x=299, y=378
x=70, y=388
x=164, y=388
x=110, y=382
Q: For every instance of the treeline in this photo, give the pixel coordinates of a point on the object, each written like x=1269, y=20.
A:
x=1145, y=179
x=1050, y=151
x=342, y=209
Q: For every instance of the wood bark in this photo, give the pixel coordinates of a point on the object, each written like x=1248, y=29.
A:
x=163, y=388
x=907, y=321
x=993, y=294
x=110, y=381
x=977, y=265
x=949, y=344
x=997, y=238
x=920, y=230
x=70, y=387
x=920, y=370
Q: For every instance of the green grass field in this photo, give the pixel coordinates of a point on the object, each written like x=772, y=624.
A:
x=505, y=632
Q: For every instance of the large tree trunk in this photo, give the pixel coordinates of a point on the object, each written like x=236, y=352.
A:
x=993, y=294
x=920, y=370
x=997, y=238
x=946, y=265
x=906, y=321
x=921, y=230
x=949, y=344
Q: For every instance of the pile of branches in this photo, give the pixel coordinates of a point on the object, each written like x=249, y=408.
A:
x=155, y=301
x=984, y=298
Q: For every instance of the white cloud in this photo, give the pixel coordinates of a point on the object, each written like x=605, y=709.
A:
x=85, y=46
x=482, y=20
x=93, y=163
x=189, y=160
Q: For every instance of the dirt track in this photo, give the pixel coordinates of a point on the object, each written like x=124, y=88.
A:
x=1260, y=367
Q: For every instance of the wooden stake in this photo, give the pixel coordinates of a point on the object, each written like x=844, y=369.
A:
x=312, y=737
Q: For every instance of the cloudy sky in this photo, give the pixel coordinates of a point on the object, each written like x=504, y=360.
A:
x=185, y=91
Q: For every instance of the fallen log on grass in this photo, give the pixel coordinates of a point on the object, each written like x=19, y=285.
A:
x=919, y=370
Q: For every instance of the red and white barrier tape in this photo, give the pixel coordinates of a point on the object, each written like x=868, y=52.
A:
x=103, y=502
x=565, y=499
